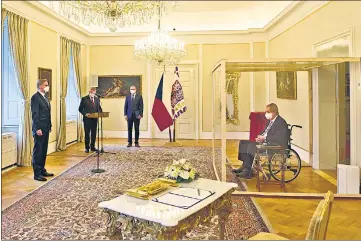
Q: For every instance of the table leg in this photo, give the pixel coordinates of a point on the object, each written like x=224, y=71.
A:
x=111, y=221
x=223, y=215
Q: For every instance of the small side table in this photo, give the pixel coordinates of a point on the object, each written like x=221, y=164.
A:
x=259, y=169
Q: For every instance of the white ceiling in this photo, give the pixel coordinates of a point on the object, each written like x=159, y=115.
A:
x=208, y=16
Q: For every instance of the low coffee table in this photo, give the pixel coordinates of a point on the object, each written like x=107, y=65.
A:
x=169, y=222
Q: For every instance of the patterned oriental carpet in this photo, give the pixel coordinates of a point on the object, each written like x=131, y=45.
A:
x=67, y=206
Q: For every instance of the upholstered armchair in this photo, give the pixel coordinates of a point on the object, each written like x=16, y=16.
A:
x=318, y=226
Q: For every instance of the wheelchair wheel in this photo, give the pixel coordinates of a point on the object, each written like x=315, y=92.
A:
x=292, y=167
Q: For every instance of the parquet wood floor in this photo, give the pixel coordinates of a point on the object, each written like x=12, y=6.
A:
x=289, y=218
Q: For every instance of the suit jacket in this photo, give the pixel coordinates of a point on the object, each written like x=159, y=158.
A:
x=136, y=106
x=86, y=106
x=278, y=133
x=40, y=113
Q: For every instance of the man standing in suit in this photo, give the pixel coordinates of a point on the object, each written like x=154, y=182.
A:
x=275, y=133
x=133, y=112
x=41, y=116
x=90, y=104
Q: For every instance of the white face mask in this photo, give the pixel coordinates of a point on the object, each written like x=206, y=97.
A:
x=268, y=116
x=92, y=95
x=132, y=91
x=46, y=89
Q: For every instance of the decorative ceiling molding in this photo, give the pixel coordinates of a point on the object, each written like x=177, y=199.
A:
x=177, y=33
x=291, y=15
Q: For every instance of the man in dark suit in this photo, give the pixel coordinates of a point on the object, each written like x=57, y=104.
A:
x=133, y=112
x=41, y=116
x=275, y=133
x=90, y=104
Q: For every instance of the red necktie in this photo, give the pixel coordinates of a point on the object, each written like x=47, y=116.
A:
x=93, y=101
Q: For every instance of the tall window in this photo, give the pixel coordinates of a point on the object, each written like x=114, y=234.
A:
x=72, y=99
x=10, y=92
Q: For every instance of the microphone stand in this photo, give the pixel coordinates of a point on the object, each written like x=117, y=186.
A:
x=101, y=150
x=98, y=170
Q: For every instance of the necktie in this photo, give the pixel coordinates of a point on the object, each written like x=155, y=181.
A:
x=47, y=100
x=133, y=96
x=92, y=101
x=268, y=127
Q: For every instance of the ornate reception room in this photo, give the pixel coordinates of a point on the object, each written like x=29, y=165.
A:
x=180, y=120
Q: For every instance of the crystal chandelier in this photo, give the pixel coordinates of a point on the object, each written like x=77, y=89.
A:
x=109, y=14
x=159, y=48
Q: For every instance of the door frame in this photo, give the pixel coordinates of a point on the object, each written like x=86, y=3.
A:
x=315, y=155
x=192, y=63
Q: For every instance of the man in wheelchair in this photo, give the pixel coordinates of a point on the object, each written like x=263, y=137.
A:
x=275, y=133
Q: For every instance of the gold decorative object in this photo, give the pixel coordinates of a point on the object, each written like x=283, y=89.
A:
x=159, y=48
x=109, y=14
x=137, y=193
x=232, y=111
x=154, y=187
x=138, y=228
x=287, y=85
x=171, y=182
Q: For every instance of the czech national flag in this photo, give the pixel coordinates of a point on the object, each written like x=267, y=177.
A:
x=159, y=112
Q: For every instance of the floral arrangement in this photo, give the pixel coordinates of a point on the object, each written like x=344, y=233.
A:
x=181, y=171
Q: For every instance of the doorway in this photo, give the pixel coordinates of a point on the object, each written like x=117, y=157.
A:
x=188, y=77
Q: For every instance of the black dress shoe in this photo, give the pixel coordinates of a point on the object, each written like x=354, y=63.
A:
x=94, y=149
x=86, y=150
x=137, y=145
x=239, y=170
x=47, y=174
x=129, y=145
x=40, y=178
x=245, y=174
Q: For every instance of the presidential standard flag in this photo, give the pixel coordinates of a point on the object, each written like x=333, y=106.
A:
x=177, y=97
x=159, y=112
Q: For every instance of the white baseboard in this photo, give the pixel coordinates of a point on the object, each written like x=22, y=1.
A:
x=51, y=147
x=304, y=155
x=230, y=135
x=124, y=134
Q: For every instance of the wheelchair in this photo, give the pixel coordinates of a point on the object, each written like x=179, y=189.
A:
x=271, y=163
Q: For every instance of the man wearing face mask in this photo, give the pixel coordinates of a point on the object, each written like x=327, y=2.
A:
x=133, y=112
x=90, y=104
x=275, y=133
x=41, y=116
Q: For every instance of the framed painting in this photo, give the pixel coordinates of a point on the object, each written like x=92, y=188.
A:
x=286, y=85
x=116, y=86
x=46, y=74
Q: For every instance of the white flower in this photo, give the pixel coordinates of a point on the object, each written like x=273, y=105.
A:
x=175, y=162
x=184, y=174
x=182, y=161
x=186, y=167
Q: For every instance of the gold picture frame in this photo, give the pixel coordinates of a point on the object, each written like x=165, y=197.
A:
x=232, y=112
x=286, y=85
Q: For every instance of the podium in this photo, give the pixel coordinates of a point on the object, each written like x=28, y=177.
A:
x=99, y=115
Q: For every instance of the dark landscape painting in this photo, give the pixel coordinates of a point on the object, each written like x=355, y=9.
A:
x=116, y=86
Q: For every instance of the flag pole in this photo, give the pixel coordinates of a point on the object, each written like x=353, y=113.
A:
x=173, y=130
x=169, y=130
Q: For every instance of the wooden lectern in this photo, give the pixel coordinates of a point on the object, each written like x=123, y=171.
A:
x=99, y=115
